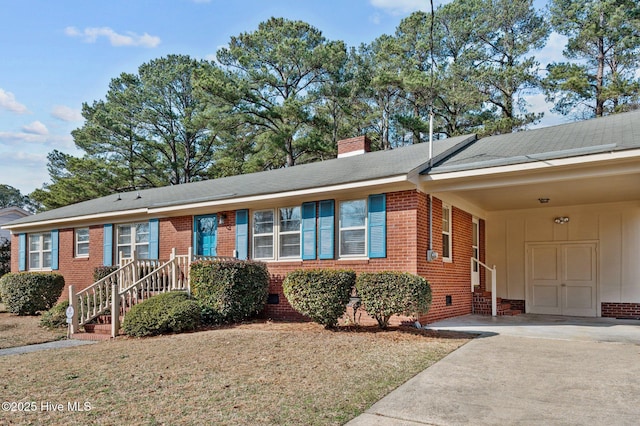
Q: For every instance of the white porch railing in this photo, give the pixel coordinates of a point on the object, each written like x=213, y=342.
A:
x=494, y=302
x=170, y=276
x=134, y=281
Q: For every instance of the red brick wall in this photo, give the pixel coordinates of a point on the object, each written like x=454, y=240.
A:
x=77, y=271
x=175, y=232
x=407, y=239
x=402, y=213
x=446, y=278
x=227, y=235
x=621, y=310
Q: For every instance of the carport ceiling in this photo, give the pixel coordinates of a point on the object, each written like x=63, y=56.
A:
x=604, y=189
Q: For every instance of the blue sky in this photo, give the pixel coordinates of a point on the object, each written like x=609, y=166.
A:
x=58, y=54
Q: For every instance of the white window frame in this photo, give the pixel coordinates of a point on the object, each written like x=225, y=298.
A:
x=447, y=231
x=281, y=233
x=78, y=243
x=276, y=234
x=40, y=250
x=363, y=227
x=254, y=235
x=475, y=250
x=132, y=244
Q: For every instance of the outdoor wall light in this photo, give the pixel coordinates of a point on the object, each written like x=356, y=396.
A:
x=221, y=218
x=543, y=200
x=561, y=220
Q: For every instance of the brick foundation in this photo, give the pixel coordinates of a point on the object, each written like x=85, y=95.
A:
x=621, y=310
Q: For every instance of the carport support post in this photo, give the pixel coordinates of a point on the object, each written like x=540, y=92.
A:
x=494, y=302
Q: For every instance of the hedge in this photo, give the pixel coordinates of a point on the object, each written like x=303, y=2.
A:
x=172, y=312
x=384, y=294
x=27, y=293
x=55, y=317
x=320, y=294
x=229, y=290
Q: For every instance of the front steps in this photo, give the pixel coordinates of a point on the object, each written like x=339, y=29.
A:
x=482, y=305
x=100, y=330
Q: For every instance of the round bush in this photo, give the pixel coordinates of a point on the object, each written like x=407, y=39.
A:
x=28, y=293
x=384, y=294
x=55, y=317
x=320, y=294
x=229, y=291
x=172, y=312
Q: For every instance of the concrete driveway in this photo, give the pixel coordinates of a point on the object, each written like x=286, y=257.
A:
x=524, y=370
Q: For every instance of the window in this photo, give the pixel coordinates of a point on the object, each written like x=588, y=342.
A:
x=133, y=237
x=82, y=242
x=285, y=233
x=263, y=234
x=40, y=251
x=446, y=232
x=353, y=228
x=289, y=232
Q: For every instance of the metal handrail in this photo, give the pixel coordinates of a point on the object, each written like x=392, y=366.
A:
x=494, y=301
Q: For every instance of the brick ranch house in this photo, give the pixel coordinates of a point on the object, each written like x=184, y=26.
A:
x=556, y=210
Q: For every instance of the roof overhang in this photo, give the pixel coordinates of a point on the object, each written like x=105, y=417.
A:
x=587, y=179
x=398, y=182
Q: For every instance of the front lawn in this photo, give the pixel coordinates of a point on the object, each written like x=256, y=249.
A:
x=252, y=374
x=24, y=330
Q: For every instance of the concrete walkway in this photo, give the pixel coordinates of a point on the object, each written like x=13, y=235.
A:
x=524, y=370
x=44, y=346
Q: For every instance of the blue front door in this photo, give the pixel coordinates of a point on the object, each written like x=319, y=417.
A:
x=205, y=235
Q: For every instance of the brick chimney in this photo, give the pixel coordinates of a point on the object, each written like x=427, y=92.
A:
x=353, y=146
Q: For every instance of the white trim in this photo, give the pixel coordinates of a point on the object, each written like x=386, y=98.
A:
x=449, y=232
x=271, y=196
x=41, y=251
x=76, y=242
x=351, y=153
x=364, y=228
x=18, y=226
x=538, y=165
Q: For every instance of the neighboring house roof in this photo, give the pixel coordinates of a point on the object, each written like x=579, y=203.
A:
x=607, y=134
x=358, y=168
x=9, y=214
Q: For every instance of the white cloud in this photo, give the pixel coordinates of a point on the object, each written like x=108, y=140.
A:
x=552, y=51
x=20, y=138
x=36, y=128
x=24, y=171
x=65, y=113
x=401, y=7
x=375, y=19
x=90, y=35
x=8, y=102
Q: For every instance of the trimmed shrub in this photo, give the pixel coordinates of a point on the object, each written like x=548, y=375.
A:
x=385, y=294
x=229, y=290
x=320, y=294
x=27, y=293
x=102, y=271
x=172, y=312
x=55, y=317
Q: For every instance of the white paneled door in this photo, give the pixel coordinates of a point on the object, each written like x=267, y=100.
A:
x=562, y=279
